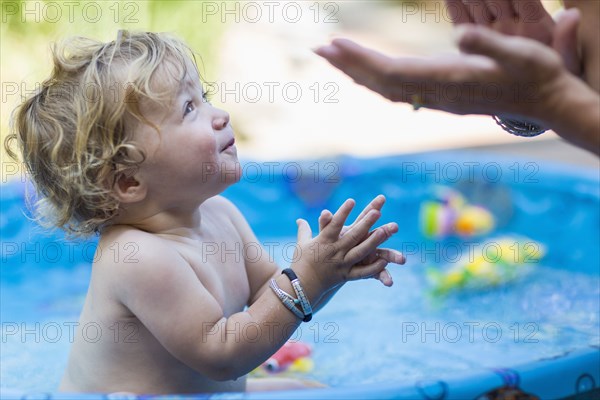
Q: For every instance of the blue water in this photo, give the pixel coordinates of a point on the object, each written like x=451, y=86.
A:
x=367, y=333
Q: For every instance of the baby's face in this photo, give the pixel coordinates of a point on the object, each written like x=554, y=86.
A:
x=194, y=154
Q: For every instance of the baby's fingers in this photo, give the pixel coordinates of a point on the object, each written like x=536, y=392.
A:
x=377, y=237
x=385, y=278
x=375, y=204
x=333, y=229
x=393, y=256
x=324, y=219
x=360, y=232
x=304, y=231
x=368, y=271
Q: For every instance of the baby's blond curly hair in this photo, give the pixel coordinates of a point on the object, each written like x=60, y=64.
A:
x=75, y=134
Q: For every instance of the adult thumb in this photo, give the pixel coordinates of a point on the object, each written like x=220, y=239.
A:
x=564, y=39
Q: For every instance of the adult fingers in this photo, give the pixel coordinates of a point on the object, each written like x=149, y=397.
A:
x=396, y=79
x=459, y=13
x=350, y=57
x=529, y=11
x=304, y=231
x=365, y=66
x=564, y=40
x=501, y=10
x=403, y=79
x=348, y=52
x=514, y=53
x=478, y=11
x=532, y=21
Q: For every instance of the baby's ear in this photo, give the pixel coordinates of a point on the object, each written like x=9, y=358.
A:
x=128, y=189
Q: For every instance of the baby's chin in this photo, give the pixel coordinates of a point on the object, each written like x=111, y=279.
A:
x=231, y=171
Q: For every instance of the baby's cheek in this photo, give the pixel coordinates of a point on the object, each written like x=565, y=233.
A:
x=208, y=146
x=205, y=155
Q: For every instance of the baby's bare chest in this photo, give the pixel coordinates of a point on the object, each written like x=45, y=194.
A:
x=219, y=264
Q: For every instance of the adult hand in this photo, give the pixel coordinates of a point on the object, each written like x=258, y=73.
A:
x=497, y=75
x=526, y=18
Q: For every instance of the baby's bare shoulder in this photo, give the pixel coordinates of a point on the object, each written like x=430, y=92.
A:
x=135, y=242
x=125, y=252
x=137, y=263
x=222, y=206
x=219, y=204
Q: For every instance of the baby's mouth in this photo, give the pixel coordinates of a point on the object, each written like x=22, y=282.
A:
x=228, y=145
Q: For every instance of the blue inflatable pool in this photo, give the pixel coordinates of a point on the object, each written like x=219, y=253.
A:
x=538, y=334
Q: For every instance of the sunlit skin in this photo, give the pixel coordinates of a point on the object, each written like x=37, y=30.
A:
x=536, y=69
x=588, y=37
x=172, y=313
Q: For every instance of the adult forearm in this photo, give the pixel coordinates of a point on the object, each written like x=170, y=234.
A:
x=575, y=115
x=588, y=39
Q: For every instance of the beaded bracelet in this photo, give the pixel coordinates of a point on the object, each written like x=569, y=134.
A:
x=304, y=303
x=288, y=301
x=519, y=128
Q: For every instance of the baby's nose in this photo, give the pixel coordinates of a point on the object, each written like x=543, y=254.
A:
x=221, y=120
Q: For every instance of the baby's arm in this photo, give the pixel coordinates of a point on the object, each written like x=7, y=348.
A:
x=166, y=296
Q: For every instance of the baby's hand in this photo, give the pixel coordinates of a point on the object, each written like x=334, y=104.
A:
x=332, y=258
x=392, y=256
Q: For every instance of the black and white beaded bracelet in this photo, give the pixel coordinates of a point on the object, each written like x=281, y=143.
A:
x=304, y=303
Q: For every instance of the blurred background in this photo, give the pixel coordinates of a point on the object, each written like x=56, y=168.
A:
x=285, y=102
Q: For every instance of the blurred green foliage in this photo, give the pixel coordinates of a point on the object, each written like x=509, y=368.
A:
x=29, y=27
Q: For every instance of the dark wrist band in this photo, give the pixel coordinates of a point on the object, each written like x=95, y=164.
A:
x=290, y=274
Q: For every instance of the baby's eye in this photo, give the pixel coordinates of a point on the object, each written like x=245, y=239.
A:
x=189, y=107
x=206, y=96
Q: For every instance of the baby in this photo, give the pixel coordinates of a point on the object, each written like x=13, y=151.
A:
x=121, y=141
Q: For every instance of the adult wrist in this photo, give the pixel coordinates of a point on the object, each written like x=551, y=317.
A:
x=574, y=113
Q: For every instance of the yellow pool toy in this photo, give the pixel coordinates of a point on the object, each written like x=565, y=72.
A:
x=449, y=213
x=494, y=262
